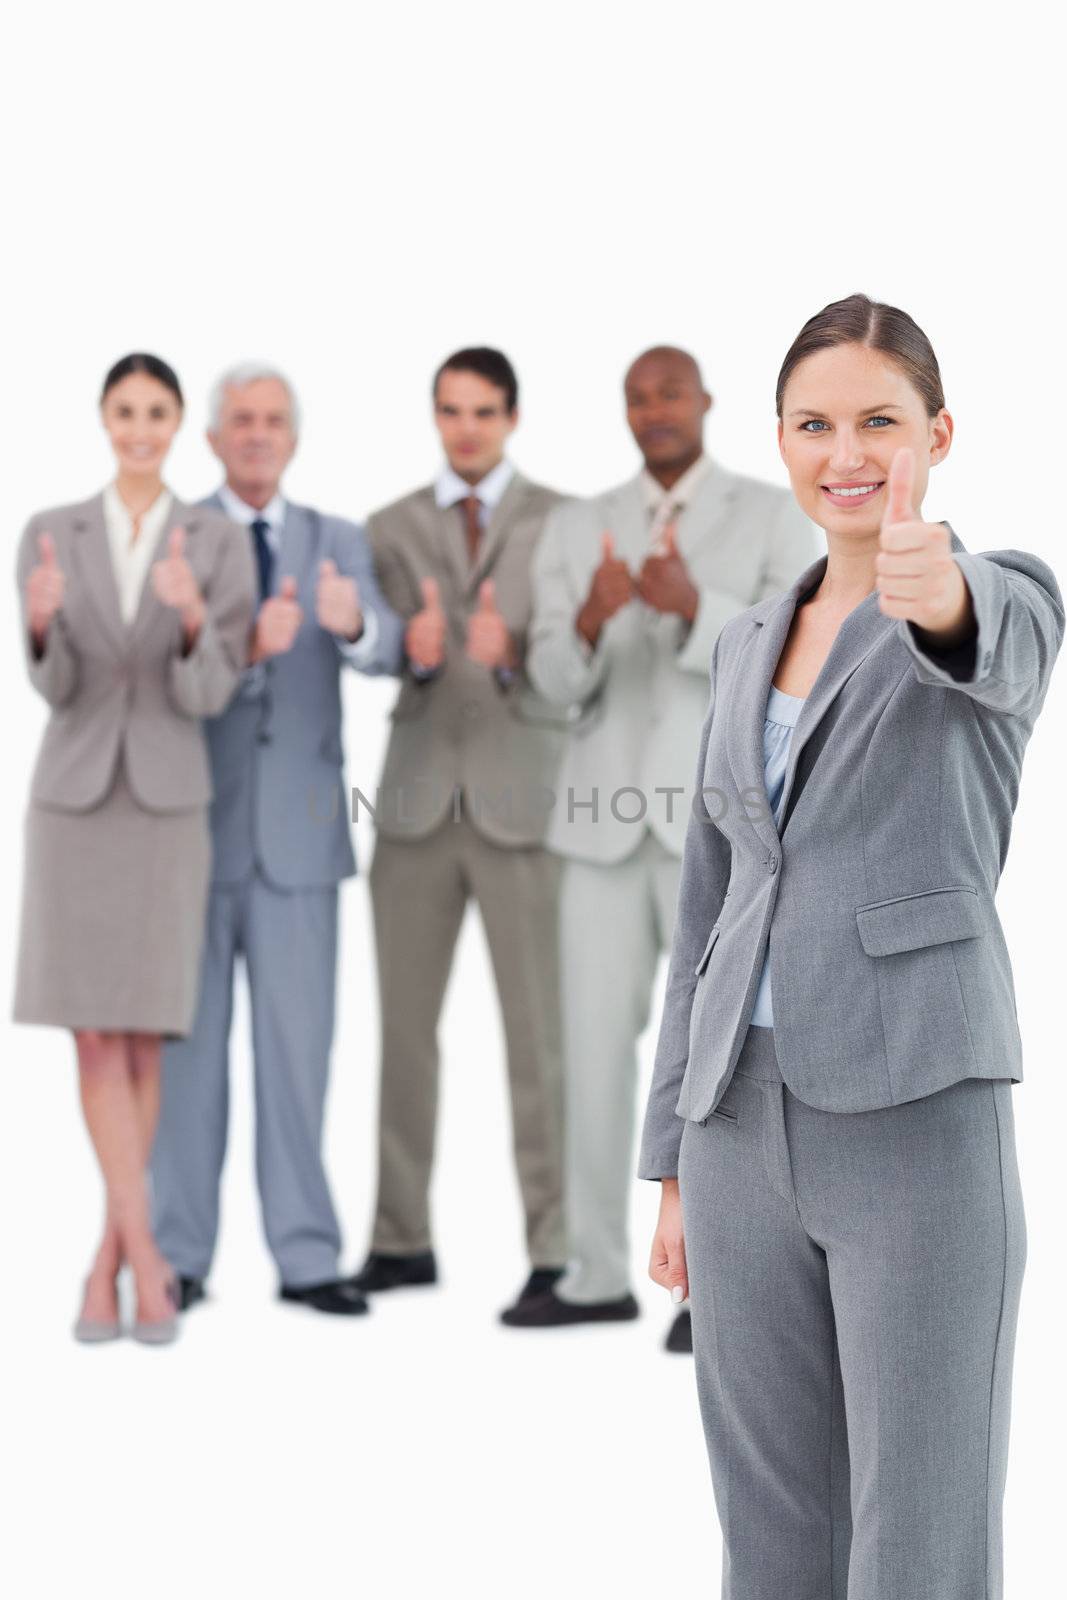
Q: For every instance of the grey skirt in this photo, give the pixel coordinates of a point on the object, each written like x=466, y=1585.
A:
x=113, y=908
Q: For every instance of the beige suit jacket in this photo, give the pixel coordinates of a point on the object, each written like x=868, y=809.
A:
x=464, y=732
x=129, y=689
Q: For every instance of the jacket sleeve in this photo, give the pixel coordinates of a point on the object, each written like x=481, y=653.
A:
x=380, y=647
x=54, y=672
x=701, y=893
x=203, y=682
x=1007, y=665
x=790, y=548
x=561, y=666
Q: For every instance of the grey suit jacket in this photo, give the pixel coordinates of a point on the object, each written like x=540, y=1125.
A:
x=115, y=688
x=889, y=972
x=462, y=730
x=639, y=698
x=276, y=754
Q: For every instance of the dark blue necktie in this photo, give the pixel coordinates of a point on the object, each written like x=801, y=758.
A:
x=264, y=556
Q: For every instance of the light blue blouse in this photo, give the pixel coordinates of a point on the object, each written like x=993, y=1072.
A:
x=782, y=714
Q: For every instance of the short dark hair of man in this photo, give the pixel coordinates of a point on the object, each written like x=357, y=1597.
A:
x=492, y=365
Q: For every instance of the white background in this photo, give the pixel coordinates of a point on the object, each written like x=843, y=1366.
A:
x=352, y=192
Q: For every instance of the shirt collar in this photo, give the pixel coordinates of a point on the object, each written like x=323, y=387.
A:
x=680, y=493
x=449, y=488
x=118, y=517
x=238, y=510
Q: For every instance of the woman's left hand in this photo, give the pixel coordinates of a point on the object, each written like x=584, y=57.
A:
x=916, y=575
x=176, y=586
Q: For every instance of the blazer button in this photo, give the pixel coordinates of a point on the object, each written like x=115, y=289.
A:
x=772, y=864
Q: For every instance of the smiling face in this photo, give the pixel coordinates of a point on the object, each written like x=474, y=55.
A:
x=141, y=416
x=845, y=412
x=474, y=422
x=666, y=404
x=254, y=438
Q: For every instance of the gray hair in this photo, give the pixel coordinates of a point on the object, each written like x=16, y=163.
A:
x=236, y=378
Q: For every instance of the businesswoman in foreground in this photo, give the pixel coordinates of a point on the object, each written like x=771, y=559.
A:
x=830, y=1113
x=136, y=611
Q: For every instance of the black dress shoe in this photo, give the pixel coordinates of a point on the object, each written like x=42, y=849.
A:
x=190, y=1290
x=338, y=1298
x=549, y=1311
x=680, y=1337
x=540, y=1281
x=381, y=1272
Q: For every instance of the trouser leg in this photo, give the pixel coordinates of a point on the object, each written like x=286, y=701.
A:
x=768, y=1376
x=419, y=894
x=190, y=1143
x=608, y=954
x=518, y=896
x=922, y=1214
x=291, y=951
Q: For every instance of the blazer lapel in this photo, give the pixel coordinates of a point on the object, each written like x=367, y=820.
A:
x=295, y=548
x=702, y=516
x=864, y=628
x=149, y=605
x=501, y=518
x=93, y=556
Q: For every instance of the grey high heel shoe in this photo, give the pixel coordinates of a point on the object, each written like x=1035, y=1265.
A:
x=93, y=1330
x=160, y=1332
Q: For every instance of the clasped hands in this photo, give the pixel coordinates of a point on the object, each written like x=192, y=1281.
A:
x=489, y=641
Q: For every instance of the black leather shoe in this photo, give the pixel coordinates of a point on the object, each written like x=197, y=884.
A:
x=190, y=1290
x=540, y=1281
x=338, y=1298
x=381, y=1272
x=549, y=1311
x=679, y=1339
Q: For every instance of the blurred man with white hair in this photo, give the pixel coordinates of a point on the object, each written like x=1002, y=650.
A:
x=281, y=846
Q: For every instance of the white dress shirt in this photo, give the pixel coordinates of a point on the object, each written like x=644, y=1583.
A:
x=131, y=556
x=449, y=489
x=356, y=651
x=665, y=505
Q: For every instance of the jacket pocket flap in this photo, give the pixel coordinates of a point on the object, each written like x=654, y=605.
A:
x=708, y=948
x=912, y=921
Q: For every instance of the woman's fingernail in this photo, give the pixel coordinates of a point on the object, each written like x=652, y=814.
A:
x=677, y=1294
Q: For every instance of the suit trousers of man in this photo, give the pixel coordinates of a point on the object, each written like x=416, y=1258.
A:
x=419, y=890
x=615, y=921
x=854, y=1280
x=289, y=942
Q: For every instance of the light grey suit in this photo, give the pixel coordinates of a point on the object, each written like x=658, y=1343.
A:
x=855, y=1278
x=620, y=814
x=281, y=845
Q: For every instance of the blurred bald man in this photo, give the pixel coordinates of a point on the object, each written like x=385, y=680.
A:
x=631, y=589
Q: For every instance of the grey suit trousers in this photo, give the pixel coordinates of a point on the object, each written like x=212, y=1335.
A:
x=289, y=942
x=855, y=1281
x=616, y=919
x=420, y=889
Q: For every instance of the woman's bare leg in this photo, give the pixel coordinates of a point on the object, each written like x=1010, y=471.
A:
x=115, y=1115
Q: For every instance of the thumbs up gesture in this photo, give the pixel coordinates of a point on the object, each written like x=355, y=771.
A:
x=612, y=587
x=424, y=637
x=45, y=587
x=337, y=607
x=175, y=585
x=488, y=640
x=916, y=576
x=277, y=623
x=664, y=582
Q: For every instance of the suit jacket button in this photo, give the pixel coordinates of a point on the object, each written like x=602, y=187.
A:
x=772, y=864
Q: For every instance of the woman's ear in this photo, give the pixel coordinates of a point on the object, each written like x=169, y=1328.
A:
x=941, y=430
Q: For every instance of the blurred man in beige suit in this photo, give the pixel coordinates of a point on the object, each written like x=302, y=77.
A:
x=461, y=814
x=631, y=590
